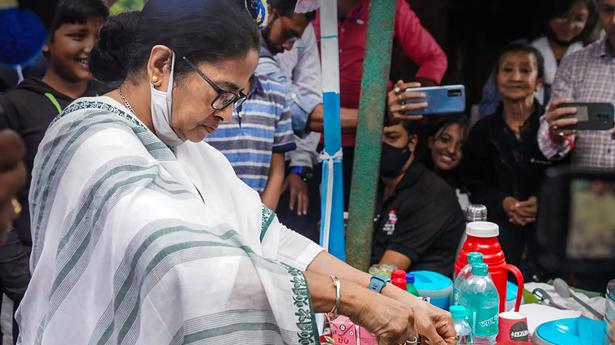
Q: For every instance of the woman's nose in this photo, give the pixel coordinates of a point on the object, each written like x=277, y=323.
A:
x=226, y=114
x=450, y=149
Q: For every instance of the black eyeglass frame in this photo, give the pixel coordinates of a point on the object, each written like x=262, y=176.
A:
x=237, y=100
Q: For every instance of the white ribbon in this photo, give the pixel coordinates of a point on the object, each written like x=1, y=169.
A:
x=329, y=160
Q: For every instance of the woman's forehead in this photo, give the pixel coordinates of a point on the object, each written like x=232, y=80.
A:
x=519, y=56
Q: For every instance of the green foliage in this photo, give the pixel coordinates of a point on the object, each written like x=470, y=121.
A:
x=122, y=6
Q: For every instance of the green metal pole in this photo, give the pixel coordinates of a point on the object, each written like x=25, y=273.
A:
x=376, y=69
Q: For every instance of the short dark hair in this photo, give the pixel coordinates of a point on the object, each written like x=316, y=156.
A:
x=551, y=9
x=522, y=47
x=285, y=7
x=412, y=127
x=200, y=30
x=77, y=12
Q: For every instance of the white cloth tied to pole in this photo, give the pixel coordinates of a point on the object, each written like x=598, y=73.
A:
x=329, y=160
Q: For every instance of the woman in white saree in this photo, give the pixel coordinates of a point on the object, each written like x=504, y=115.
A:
x=142, y=232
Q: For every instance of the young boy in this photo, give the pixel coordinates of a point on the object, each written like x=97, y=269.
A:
x=31, y=107
x=257, y=137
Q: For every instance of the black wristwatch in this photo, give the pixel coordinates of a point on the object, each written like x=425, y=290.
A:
x=304, y=172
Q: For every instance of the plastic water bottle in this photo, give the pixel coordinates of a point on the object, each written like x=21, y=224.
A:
x=465, y=273
x=480, y=297
x=462, y=327
x=410, y=288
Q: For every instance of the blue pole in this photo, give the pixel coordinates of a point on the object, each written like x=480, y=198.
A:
x=332, y=192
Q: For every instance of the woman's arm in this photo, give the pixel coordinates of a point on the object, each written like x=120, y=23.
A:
x=430, y=321
x=388, y=319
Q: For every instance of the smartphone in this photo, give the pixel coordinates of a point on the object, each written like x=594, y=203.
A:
x=592, y=116
x=440, y=100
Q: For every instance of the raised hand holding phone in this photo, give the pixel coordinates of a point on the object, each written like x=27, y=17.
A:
x=446, y=99
x=397, y=101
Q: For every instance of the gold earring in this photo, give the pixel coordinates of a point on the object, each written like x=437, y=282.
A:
x=155, y=81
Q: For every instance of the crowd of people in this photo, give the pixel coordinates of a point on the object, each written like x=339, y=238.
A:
x=164, y=168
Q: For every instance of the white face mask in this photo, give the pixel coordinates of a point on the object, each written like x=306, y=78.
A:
x=161, y=103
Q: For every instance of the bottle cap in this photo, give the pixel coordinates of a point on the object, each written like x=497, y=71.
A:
x=482, y=229
x=398, y=274
x=475, y=258
x=410, y=278
x=476, y=213
x=480, y=269
x=399, y=282
x=458, y=312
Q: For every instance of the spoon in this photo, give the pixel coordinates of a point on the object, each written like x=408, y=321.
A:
x=545, y=298
x=562, y=289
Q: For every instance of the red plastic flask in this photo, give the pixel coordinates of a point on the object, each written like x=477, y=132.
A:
x=483, y=237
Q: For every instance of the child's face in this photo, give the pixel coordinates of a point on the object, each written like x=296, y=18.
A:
x=69, y=49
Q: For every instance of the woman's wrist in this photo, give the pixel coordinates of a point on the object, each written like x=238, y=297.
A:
x=400, y=295
x=353, y=299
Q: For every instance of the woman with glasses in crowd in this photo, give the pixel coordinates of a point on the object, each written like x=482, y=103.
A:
x=142, y=232
x=562, y=28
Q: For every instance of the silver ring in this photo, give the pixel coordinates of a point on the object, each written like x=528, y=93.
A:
x=397, y=90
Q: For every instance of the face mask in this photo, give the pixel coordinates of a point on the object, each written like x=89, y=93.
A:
x=161, y=111
x=393, y=160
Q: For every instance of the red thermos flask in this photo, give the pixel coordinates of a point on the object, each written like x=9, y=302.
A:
x=483, y=237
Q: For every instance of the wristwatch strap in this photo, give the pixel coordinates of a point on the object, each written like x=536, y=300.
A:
x=377, y=283
x=304, y=172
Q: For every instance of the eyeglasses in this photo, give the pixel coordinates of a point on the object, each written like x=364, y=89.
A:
x=224, y=97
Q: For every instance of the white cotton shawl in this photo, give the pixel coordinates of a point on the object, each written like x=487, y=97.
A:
x=136, y=244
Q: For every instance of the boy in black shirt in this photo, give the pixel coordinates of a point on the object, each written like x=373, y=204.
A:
x=30, y=108
x=420, y=223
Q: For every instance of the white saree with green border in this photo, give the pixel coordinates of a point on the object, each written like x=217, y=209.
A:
x=135, y=243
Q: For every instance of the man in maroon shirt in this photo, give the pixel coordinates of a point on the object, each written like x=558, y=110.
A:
x=414, y=39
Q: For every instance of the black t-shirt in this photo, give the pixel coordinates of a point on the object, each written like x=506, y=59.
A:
x=28, y=111
x=421, y=220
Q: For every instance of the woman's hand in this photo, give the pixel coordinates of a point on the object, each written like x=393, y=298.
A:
x=427, y=320
x=390, y=321
x=398, y=96
x=434, y=324
x=527, y=209
x=520, y=212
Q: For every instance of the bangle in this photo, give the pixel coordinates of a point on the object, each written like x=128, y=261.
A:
x=338, y=295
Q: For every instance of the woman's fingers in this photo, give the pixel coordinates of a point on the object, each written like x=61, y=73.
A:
x=401, y=86
x=401, y=108
x=434, y=324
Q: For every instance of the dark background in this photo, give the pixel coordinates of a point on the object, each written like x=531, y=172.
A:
x=471, y=32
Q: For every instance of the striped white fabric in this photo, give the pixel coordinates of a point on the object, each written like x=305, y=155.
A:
x=136, y=244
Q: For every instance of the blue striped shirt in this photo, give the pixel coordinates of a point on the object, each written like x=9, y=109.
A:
x=260, y=127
